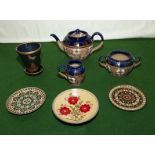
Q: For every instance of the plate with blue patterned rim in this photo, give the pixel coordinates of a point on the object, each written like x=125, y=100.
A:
x=127, y=97
x=25, y=100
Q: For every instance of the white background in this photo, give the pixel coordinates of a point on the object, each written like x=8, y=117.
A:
x=40, y=30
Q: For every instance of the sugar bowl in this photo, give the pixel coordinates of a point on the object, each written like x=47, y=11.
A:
x=78, y=44
x=119, y=62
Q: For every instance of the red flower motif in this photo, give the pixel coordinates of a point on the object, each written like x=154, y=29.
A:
x=65, y=110
x=85, y=108
x=73, y=100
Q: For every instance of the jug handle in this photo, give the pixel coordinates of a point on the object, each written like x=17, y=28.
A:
x=101, y=44
x=137, y=61
x=102, y=61
x=61, y=71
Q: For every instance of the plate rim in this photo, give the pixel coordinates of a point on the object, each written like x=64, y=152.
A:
x=127, y=108
x=7, y=101
x=80, y=121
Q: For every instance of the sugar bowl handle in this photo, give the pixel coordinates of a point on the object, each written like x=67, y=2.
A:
x=62, y=71
x=137, y=61
x=102, y=40
x=102, y=61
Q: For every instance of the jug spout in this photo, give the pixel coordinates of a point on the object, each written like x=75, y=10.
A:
x=60, y=44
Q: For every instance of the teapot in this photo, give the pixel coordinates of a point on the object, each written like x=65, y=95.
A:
x=78, y=44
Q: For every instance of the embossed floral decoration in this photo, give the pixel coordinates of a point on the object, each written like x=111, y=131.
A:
x=75, y=109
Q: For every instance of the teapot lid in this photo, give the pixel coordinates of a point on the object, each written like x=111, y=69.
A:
x=77, y=38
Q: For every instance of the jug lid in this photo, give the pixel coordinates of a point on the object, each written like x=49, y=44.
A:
x=77, y=38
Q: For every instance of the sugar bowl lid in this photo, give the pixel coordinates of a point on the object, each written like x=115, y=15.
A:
x=77, y=38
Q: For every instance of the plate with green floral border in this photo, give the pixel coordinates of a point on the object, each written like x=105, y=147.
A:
x=75, y=106
x=127, y=97
x=25, y=100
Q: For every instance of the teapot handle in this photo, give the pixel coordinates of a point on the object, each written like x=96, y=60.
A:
x=101, y=44
x=61, y=71
x=102, y=61
x=137, y=61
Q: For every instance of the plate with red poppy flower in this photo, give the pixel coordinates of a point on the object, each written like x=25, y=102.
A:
x=75, y=106
x=127, y=97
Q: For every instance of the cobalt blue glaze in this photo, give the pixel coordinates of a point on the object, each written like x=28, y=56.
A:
x=86, y=39
x=30, y=56
x=76, y=70
x=78, y=44
x=28, y=47
x=120, y=63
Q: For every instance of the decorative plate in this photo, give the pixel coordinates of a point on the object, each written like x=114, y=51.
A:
x=75, y=106
x=127, y=97
x=25, y=100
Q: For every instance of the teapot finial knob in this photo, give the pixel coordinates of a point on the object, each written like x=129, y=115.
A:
x=77, y=31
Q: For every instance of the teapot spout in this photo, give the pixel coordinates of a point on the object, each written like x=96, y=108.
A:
x=55, y=37
x=58, y=41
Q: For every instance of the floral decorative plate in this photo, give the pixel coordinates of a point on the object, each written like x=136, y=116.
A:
x=127, y=97
x=25, y=100
x=75, y=106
